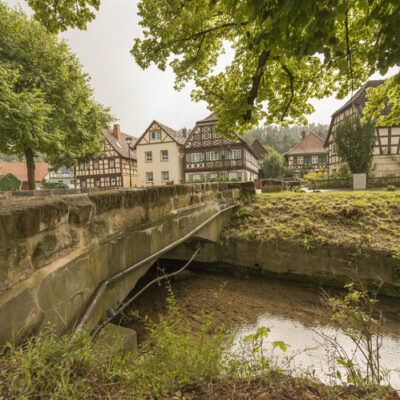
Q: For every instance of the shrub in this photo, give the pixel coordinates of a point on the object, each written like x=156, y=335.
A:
x=10, y=183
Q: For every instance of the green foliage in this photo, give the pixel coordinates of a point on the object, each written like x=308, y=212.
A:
x=277, y=65
x=46, y=101
x=273, y=164
x=10, y=183
x=355, y=142
x=356, y=316
x=58, y=17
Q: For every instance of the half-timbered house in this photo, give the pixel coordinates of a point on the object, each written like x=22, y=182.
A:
x=209, y=156
x=158, y=155
x=308, y=155
x=386, y=160
x=117, y=167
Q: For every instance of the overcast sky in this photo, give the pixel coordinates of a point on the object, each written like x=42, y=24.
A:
x=136, y=97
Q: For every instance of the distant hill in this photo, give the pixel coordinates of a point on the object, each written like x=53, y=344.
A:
x=283, y=138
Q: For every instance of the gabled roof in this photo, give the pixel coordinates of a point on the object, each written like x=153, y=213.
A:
x=311, y=144
x=358, y=100
x=212, y=119
x=19, y=170
x=173, y=134
x=258, y=148
x=121, y=147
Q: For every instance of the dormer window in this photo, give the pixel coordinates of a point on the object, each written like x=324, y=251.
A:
x=118, y=144
x=155, y=135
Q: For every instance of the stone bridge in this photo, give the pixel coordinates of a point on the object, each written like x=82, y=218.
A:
x=55, y=252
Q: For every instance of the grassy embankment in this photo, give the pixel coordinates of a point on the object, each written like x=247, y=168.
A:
x=355, y=220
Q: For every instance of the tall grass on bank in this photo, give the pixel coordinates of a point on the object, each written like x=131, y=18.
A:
x=173, y=358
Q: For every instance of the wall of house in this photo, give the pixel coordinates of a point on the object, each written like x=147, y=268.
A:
x=129, y=173
x=231, y=175
x=174, y=165
x=386, y=160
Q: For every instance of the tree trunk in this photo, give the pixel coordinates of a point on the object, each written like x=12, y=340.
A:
x=30, y=166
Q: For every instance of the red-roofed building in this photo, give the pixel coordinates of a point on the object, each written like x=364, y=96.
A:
x=308, y=154
x=117, y=166
x=19, y=170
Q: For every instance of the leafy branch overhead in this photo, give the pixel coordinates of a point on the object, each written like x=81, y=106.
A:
x=284, y=52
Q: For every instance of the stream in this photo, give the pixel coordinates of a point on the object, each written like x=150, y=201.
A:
x=292, y=310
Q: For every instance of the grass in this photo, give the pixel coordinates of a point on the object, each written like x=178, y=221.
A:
x=367, y=220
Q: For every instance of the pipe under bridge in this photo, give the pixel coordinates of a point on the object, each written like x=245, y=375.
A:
x=65, y=260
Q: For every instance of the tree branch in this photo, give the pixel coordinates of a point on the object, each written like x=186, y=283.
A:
x=196, y=35
x=291, y=80
x=262, y=59
x=348, y=51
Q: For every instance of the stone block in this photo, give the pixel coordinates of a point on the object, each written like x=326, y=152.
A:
x=359, y=181
x=115, y=338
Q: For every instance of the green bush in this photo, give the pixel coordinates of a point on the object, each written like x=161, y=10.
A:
x=10, y=183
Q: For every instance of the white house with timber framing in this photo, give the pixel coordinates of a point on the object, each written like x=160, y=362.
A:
x=158, y=155
x=386, y=160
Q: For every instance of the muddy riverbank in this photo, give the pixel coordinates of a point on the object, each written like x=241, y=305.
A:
x=234, y=302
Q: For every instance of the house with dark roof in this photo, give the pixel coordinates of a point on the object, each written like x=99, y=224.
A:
x=209, y=156
x=19, y=170
x=117, y=166
x=159, y=158
x=386, y=160
x=309, y=154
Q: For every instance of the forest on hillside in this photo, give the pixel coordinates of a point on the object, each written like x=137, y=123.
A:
x=283, y=138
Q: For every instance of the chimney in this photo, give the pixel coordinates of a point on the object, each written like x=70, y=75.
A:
x=117, y=132
x=184, y=131
x=303, y=134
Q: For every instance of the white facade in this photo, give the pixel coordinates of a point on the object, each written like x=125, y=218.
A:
x=158, y=158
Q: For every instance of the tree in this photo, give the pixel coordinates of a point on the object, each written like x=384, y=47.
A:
x=285, y=52
x=9, y=183
x=355, y=142
x=273, y=164
x=46, y=102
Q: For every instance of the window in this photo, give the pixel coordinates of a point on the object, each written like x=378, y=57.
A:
x=233, y=154
x=155, y=135
x=314, y=159
x=149, y=156
x=196, y=177
x=213, y=155
x=233, y=163
x=81, y=166
x=165, y=176
x=113, y=181
x=206, y=135
x=97, y=182
x=149, y=177
x=95, y=164
x=111, y=163
x=164, y=155
x=83, y=183
x=194, y=157
x=299, y=159
x=333, y=148
x=118, y=144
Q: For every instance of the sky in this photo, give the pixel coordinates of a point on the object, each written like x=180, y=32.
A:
x=137, y=97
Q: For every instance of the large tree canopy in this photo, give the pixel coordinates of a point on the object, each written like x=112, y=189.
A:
x=285, y=51
x=46, y=103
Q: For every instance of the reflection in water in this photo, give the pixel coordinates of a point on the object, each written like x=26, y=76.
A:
x=307, y=350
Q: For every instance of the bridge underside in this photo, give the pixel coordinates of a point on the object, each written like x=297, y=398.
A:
x=64, y=248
